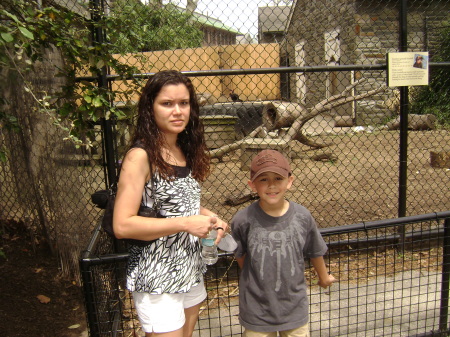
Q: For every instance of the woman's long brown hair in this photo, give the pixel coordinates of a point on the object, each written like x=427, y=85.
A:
x=191, y=140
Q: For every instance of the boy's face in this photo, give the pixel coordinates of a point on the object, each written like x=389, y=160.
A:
x=271, y=188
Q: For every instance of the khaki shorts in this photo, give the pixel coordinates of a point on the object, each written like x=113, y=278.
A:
x=302, y=331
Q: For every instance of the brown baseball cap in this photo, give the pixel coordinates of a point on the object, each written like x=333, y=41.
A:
x=269, y=161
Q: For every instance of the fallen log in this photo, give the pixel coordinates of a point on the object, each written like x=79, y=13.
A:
x=238, y=199
x=415, y=122
x=323, y=106
x=324, y=157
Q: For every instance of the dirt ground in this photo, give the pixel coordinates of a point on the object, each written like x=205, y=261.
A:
x=357, y=180
x=36, y=301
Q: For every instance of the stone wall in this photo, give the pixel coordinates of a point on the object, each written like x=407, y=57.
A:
x=368, y=30
x=310, y=21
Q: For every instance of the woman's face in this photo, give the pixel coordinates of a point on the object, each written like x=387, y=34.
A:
x=172, y=109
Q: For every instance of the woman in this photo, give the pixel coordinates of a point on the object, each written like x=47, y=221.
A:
x=166, y=277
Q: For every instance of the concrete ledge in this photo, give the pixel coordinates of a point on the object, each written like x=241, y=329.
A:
x=250, y=147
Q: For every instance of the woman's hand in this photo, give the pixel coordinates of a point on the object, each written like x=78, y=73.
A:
x=222, y=229
x=200, y=225
x=218, y=224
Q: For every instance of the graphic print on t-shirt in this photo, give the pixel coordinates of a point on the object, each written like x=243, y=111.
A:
x=276, y=248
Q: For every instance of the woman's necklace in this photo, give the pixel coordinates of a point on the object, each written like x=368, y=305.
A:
x=170, y=156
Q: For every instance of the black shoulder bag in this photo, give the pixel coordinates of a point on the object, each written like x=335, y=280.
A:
x=106, y=199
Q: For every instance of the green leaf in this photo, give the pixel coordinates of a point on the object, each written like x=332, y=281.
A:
x=100, y=64
x=87, y=98
x=7, y=37
x=12, y=16
x=97, y=102
x=25, y=32
x=119, y=113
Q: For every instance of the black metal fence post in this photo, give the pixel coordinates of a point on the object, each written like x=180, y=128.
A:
x=403, y=142
x=108, y=140
x=403, y=47
x=98, y=37
x=445, y=283
x=89, y=299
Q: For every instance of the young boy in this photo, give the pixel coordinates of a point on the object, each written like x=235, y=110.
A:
x=274, y=236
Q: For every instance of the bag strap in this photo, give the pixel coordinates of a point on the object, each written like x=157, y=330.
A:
x=156, y=203
x=113, y=188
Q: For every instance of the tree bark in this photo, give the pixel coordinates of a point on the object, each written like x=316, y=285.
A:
x=277, y=115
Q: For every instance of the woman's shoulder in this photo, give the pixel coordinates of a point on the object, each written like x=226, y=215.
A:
x=136, y=153
x=136, y=159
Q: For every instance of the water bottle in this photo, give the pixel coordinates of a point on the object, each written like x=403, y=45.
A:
x=209, y=249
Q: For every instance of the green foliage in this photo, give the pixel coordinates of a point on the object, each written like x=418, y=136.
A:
x=139, y=27
x=27, y=32
x=435, y=98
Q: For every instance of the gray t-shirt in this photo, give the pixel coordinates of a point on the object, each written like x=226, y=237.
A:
x=272, y=287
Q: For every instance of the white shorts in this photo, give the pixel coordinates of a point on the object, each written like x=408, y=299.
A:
x=165, y=312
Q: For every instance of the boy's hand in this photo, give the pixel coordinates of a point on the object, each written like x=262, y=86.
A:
x=327, y=281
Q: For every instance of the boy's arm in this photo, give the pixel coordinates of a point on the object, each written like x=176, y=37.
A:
x=240, y=261
x=325, y=279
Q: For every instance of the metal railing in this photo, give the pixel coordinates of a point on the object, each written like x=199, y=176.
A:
x=388, y=285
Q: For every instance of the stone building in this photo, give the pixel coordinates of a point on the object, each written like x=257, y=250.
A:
x=345, y=32
x=272, y=22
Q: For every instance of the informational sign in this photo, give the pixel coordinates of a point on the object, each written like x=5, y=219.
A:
x=407, y=69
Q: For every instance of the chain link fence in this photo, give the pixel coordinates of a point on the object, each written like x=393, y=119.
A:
x=385, y=287
x=305, y=77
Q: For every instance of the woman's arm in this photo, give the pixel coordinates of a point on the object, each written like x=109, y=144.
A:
x=135, y=172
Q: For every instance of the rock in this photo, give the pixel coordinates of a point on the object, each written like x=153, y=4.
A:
x=440, y=159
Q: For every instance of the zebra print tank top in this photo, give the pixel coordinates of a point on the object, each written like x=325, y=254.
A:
x=170, y=264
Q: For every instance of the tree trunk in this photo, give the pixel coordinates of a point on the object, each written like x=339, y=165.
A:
x=277, y=115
